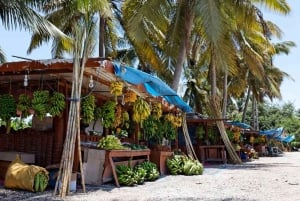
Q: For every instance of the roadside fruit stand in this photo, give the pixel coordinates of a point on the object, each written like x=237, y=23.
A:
x=117, y=101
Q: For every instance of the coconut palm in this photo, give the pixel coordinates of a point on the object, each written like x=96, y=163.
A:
x=66, y=14
x=19, y=14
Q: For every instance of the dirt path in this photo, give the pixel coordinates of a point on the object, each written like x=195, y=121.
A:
x=265, y=179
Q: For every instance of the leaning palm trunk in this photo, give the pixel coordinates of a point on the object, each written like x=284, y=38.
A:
x=216, y=112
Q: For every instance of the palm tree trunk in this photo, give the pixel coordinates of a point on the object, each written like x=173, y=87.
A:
x=246, y=105
x=216, y=112
x=224, y=106
x=184, y=47
x=102, y=37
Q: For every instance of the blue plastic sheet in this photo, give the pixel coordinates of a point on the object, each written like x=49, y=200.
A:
x=153, y=85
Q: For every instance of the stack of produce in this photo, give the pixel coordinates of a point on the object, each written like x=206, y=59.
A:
x=110, y=142
x=40, y=182
x=145, y=171
x=181, y=164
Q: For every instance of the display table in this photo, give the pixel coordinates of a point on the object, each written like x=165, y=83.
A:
x=213, y=153
x=114, y=157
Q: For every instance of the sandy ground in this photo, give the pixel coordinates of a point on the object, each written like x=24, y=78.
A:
x=268, y=179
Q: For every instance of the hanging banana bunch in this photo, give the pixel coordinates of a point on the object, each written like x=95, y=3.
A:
x=141, y=110
x=57, y=104
x=116, y=88
x=88, y=105
x=125, y=120
x=176, y=121
x=156, y=110
x=118, y=116
x=130, y=96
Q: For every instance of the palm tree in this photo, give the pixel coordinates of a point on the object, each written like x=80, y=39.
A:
x=16, y=13
x=66, y=14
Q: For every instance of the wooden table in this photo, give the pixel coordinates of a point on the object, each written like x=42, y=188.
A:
x=213, y=153
x=128, y=154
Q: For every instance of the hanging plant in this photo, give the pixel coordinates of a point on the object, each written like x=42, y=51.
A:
x=108, y=114
x=24, y=104
x=141, y=110
x=57, y=104
x=88, y=106
x=7, y=109
x=40, y=103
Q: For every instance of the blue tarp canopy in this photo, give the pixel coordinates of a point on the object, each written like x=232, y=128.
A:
x=273, y=132
x=289, y=138
x=239, y=124
x=286, y=139
x=153, y=85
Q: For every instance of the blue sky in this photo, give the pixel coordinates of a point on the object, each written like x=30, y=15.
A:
x=16, y=43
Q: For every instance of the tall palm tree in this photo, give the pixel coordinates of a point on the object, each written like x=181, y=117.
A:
x=65, y=15
x=19, y=14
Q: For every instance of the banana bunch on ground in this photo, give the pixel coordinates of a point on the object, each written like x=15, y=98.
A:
x=192, y=167
x=152, y=172
x=88, y=105
x=182, y=164
x=141, y=110
x=175, y=165
x=116, y=88
x=110, y=142
x=156, y=110
x=126, y=175
x=40, y=103
x=40, y=182
x=175, y=120
x=130, y=96
x=57, y=104
x=145, y=171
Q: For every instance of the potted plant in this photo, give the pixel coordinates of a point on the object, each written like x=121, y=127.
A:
x=7, y=110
